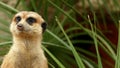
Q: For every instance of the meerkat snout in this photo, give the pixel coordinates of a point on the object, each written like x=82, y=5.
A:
x=20, y=27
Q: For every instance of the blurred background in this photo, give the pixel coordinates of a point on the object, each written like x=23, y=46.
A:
x=80, y=33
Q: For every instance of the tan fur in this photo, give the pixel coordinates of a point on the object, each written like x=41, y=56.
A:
x=26, y=51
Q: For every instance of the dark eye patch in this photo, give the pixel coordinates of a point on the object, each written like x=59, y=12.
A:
x=31, y=20
x=18, y=19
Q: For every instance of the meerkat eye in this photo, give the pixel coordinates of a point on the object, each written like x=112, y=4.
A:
x=31, y=20
x=17, y=19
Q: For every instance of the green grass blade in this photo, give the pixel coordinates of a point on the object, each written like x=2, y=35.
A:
x=7, y=7
x=17, y=3
x=60, y=40
x=46, y=11
x=51, y=66
x=5, y=43
x=24, y=4
x=33, y=5
x=55, y=45
x=117, y=63
x=96, y=45
x=110, y=49
x=77, y=57
x=53, y=57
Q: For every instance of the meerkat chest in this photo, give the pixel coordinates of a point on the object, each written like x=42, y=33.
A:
x=25, y=56
x=25, y=60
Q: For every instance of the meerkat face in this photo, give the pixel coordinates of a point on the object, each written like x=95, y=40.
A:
x=29, y=23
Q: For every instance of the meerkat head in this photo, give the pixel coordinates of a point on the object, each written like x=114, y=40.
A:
x=27, y=23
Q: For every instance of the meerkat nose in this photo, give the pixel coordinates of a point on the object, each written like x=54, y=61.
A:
x=20, y=27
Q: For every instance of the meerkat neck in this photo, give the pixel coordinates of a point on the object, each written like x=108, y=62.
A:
x=27, y=43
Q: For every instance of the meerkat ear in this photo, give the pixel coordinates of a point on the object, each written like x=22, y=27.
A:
x=44, y=25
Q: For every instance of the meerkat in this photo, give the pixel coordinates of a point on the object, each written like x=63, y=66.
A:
x=27, y=28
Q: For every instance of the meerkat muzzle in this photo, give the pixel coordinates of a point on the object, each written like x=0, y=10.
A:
x=20, y=27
